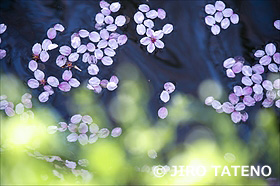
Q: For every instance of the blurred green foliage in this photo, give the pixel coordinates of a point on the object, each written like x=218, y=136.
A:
x=210, y=138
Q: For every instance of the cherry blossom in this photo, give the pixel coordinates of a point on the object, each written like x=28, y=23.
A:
x=68, y=82
x=63, y=165
x=152, y=40
x=19, y=109
x=83, y=130
x=219, y=14
x=269, y=57
x=255, y=88
x=144, y=20
x=3, y=28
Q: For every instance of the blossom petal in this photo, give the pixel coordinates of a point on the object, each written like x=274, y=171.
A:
x=277, y=26
x=83, y=33
x=99, y=18
x=44, y=97
x=159, y=44
x=267, y=85
x=82, y=49
x=258, y=69
x=103, y=133
x=122, y=39
x=39, y=75
x=114, y=7
x=114, y=79
x=164, y=96
x=208, y=101
x=61, y=60
x=33, y=83
x=112, y=27
x=111, y=86
x=227, y=12
x=98, y=53
x=73, y=57
x=94, y=37
x=225, y=23
x=161, y=14
x=210, y=9
x=53, y=81
x=19, y=108
x=33, y=65
x=265, y=60
x=210, y=20
x=227, y=107
x=218, y=16
x=59, y=27
x=276, y=57
x=83, y=128
x=120, y=20
x=93, y=138
x=107, y=61
x=151, y=47
x=94, y=81
x=36, y=49
x=9, y=111
x=215, y=29
x=72, y=137
x=3, y=28
x=44, y=56
x=46, y=44
x=113, y=43
x=65, y=50
x=51, y=33
x=90, y=47
x=83, y=139
x=145, y=41
x=220, y=5
x=93, y=69
x=167, y=28
x=87, y=119
x=141, y=29
x=67, y=75
x=152, y=14
x=76, y=118
x=139, y=17
x=162, y=112
x=169, y=87
x=234, y=18
x=259, y=53
x=109, y=20
x=236, y=117
x=74, y=82
x=144, y=8
x=102, y=44
x=64, y=86
x=116, y=132
x=109, y=52
x=270, y=49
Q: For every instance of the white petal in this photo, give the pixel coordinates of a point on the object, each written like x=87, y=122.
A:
x=151, y=47
x=164, y=96
x=141, y=29
x=167, y=29
x=215, y=29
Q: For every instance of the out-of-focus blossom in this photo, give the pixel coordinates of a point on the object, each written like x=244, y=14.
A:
x=19, y=108
x=219, y=14
x=165, y=97
x=83, y=130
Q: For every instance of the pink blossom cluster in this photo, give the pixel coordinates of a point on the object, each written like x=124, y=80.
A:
x=40, y=54
x=3, y=28
x=21, y=109
x=219, y=14
x=99, y=46
x=165, y=97
x=61, y=166
x=254, y=87
x=145, y=26
x=83, y=130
